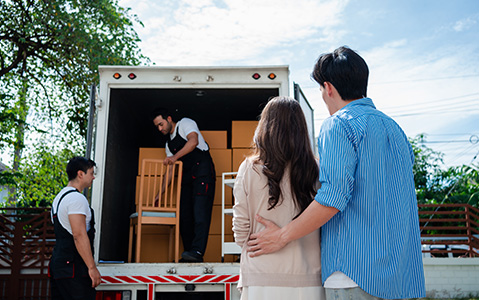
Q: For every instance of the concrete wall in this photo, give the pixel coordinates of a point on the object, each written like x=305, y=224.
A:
x=451, y=277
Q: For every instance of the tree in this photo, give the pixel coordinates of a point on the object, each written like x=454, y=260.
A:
x=50, y=51
x=49, y=56
x=436, y=184
x=41, y=176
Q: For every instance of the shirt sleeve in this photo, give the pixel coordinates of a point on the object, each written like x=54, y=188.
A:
x=337, y=165
x=78, y=205
x=241, y=220
x=188, y=126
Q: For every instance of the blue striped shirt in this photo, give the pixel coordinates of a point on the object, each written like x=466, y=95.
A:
x=366, y=173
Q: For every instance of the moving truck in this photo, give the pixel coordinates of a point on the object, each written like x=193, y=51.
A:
x=226, y=103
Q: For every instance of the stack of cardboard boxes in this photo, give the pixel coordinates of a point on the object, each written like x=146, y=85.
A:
x=155, y=238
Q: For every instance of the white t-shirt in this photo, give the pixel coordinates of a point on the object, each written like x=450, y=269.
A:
x=339, y=280
x=187, y=126
x=72, y=204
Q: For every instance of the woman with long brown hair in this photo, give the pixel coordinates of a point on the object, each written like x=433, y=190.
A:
x=278, y=182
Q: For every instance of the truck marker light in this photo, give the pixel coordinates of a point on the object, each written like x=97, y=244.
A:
x=272, y=76
x=256, y=76
x=117, y=75
x=131, y=76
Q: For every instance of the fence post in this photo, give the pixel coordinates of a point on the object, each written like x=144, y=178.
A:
x=468, y=230
x=16, y=259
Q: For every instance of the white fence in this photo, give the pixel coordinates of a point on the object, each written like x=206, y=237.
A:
x=451, y=277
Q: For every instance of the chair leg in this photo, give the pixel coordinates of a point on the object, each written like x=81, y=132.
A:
x=177, y=241
x=138, y=242
x=130, y=241
x=170, y=244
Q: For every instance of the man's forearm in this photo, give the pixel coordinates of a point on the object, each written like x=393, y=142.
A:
x=82, y=243
x=313, y=217
x=273, y=238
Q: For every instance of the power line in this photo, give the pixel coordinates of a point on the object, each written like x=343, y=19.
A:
x=424, y=79
x=435, y=106
x=435, y=101
x=463, y=153
x=445, y=111
x=445, y=142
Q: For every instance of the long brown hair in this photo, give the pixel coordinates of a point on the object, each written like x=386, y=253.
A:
x=282, y=143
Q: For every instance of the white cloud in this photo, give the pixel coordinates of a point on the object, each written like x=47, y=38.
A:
x=464, y=24
x=192, y=32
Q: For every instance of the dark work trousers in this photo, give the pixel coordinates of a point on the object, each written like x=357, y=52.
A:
x=195, y=213
x=69, y=278
x=78, y=288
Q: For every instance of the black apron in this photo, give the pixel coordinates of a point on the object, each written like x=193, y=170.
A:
x=196, y=164
x=66, y=262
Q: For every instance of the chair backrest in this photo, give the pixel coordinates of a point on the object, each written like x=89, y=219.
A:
x=153, y=178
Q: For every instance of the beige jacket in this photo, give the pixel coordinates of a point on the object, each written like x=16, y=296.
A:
x=298, y=264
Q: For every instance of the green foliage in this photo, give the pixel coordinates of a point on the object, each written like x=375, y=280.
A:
x=41, y=176
x=49, y=57
x=9, y=120
x=50, y=51
x=434, y=184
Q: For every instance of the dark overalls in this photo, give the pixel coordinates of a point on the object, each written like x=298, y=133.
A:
x=68, y=272
x=197, y=195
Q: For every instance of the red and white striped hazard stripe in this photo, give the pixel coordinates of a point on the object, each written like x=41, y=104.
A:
x=169, y=279
x=153, y=280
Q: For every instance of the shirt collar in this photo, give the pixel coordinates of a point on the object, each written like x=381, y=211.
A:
x=363, y=101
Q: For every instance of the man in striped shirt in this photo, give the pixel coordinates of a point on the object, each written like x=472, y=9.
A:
x=366, y=205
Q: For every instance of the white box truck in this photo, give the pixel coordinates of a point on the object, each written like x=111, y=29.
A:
x=213, y=97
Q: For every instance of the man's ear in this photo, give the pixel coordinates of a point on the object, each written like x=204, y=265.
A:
x=169, y=119
x=80, y=174
x=329, y=88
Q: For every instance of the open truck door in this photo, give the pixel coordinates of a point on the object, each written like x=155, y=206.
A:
x=308, y=114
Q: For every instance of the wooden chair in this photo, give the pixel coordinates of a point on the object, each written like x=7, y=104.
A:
x=164, y=211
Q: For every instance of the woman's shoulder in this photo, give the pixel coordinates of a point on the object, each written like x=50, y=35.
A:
x=251, y=164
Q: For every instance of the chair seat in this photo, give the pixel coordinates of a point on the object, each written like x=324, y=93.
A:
x=154, y=214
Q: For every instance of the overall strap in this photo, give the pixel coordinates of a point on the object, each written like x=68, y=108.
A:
x=61, y=198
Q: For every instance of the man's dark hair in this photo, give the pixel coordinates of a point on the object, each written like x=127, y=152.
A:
x=78, y=163
x=345, y=70
x=164, y=113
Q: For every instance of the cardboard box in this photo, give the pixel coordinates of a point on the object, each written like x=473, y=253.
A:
x=238, y=157
x=218, y=196
x=216, y=139
x=155, y=244
x=215, y=226
x=213, y=249
x=222, y=161
x=155, y=153
x=242, y=133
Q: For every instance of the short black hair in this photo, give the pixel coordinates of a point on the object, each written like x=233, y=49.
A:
x=164, y=113
x=159, y=111
x=78, y=163
x=345, y=70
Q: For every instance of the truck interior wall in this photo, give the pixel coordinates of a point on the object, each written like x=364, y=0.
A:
x=130, y=127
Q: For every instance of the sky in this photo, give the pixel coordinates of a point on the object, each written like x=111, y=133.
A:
x=423, y=56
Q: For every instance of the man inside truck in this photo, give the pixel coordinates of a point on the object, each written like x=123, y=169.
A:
x=185, y=143
x=366, y=206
